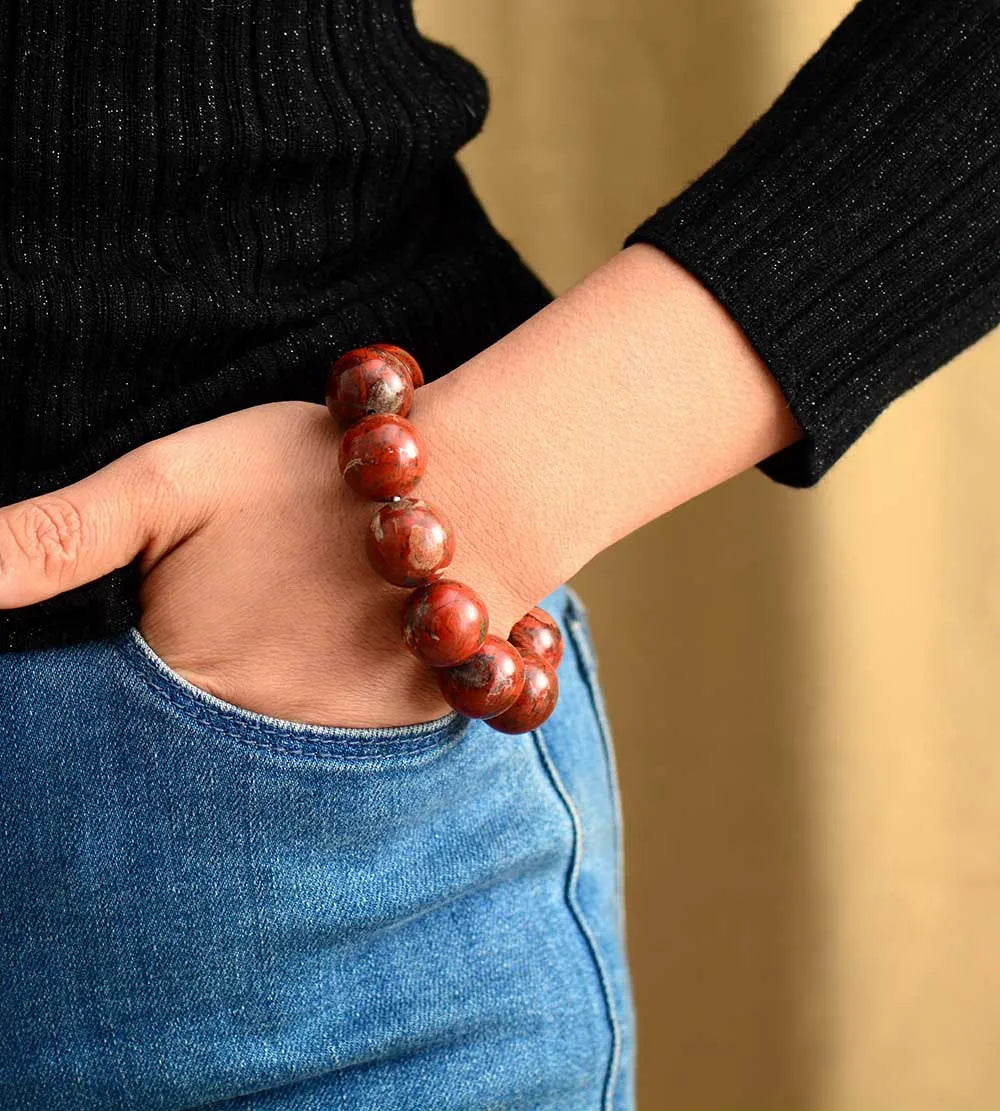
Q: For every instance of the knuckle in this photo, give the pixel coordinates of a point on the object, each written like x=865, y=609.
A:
x=156, y=478
x=48, y=533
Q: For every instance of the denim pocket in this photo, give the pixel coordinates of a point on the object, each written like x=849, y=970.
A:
x=157, y=679
x=212, y=907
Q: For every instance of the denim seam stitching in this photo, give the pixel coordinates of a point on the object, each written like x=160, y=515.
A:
x=577, y=626
x=611, y=1075
x=189, y=711
x=157, y=669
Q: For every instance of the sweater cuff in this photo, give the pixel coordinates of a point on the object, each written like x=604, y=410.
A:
x=852, y=231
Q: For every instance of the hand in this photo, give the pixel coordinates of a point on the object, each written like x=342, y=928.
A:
x=255, y=585
x=624, y=397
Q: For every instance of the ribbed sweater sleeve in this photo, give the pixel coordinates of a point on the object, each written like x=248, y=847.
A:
x=853, y=230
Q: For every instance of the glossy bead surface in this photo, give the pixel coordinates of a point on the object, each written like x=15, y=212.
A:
x=382, y=457
x=444, y=622
x=365, y=382
x=538, y=633
x=537, y=699
x=406, y=359
x=487, y=683
x=409, y=542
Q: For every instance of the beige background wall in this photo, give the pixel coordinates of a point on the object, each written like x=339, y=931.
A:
x=804, y=686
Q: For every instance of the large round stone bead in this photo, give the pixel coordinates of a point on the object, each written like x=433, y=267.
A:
x=382, y=457
x=409, y=542
x=487, y=683
x=537, y=699
x=444, y=622
x=365, y=382
x=406, y=359
x=537, y=632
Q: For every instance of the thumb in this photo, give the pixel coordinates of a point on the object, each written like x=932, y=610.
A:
x=63, y=539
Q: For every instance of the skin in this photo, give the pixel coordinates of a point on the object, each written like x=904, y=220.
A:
x=629, y=394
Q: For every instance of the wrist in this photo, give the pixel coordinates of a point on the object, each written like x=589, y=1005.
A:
x=629, y=394
x=514, y=543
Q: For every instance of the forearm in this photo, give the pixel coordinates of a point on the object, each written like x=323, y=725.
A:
x=629, y=394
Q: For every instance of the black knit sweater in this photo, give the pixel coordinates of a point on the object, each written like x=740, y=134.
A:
x=202, y=204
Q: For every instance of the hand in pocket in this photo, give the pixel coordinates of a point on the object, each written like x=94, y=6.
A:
x=255, y=585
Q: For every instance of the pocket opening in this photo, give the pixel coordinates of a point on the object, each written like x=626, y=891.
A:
x=282, y=735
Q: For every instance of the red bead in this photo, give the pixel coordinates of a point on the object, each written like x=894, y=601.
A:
x=487, y=683
x=351, y=359
x=382, y=457
x=368, y=381
x=409, y=542
x=406, y=359
x=537, y=632
x=536, y=701
x=444, y=622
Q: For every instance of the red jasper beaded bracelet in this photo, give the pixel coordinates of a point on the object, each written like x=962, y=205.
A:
x=512, y=683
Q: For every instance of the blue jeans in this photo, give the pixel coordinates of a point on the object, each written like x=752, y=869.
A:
x=207, y=907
